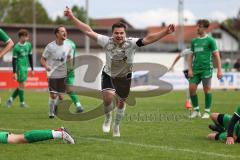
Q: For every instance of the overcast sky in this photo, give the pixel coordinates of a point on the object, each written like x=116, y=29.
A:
x=143, y=13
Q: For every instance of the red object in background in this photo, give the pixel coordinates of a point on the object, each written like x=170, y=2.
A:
x=188, y=105
x=38, y=81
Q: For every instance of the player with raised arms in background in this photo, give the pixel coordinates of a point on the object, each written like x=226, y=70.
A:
x=22, y=59
x=117, y=72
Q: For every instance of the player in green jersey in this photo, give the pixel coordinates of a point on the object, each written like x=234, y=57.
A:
x=70, y=79
x=22, y=58
x=200, y=65
x=226, y=127
x=7, y=41
x=8, y=45
x=36, y=136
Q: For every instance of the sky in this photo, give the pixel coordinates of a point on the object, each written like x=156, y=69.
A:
x=145, y=13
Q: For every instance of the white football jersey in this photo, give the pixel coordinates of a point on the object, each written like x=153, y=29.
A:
x=184, y=54
x=119, y=60
x=56, y=58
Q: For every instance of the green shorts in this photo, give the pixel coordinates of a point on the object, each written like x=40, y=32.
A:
x=4, y=137
x=199, y=75
x=70, y=78
x=22, y=75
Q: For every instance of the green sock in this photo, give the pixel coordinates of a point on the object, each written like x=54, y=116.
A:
x=194, y=100
x=21, y=95
x=75, y=99
x=38, y=135
x=208, y=102
x=15, y=93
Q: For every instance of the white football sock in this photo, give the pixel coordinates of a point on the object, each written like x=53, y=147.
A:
x=119, y=115
x=57, y=134
x=51, y=104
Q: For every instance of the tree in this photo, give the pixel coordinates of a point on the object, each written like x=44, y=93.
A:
x=233, y=25
x=79, y=12
x=21, y=11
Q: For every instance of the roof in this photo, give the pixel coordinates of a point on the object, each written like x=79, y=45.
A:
x=108, y=22
x=189, y=32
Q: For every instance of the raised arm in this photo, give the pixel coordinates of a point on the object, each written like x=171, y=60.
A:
x=86, y=29
x=7, y=48
x=151, y=38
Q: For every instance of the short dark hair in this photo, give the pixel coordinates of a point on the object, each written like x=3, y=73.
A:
x=57, y=29
x=204, y=22
x=119, y=25
x=22, y=32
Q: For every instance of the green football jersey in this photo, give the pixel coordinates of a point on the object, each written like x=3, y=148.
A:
x=3, y=36
x=21, y=52
x=202, y=48
x=73, y=51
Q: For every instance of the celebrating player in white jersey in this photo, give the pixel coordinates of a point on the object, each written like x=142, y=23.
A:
x=116, y=74
x=54, y=60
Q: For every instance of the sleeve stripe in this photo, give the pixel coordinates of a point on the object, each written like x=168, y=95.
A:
x=237, y=114
x=8, y=40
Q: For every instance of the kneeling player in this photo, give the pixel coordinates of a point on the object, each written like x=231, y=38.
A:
x=226, y=127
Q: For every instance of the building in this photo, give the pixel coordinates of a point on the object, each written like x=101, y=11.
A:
x=107, y=22
x=227, y=42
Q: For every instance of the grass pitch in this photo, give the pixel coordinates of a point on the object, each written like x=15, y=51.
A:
x=156, y=128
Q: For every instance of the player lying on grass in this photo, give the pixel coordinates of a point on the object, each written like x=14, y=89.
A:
x=36, y=136
x=226, y=127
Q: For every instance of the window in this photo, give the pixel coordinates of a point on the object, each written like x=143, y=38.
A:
x=217, y=35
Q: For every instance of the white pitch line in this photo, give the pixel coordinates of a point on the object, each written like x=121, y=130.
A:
x=167, y=148
x=11, y=129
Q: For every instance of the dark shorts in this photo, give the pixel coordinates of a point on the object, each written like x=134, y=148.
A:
x=121, y=85
x=57, y=85
x=185, y=72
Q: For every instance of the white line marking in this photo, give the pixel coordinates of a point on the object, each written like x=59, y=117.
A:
x=11, y=129
x=167, y=148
